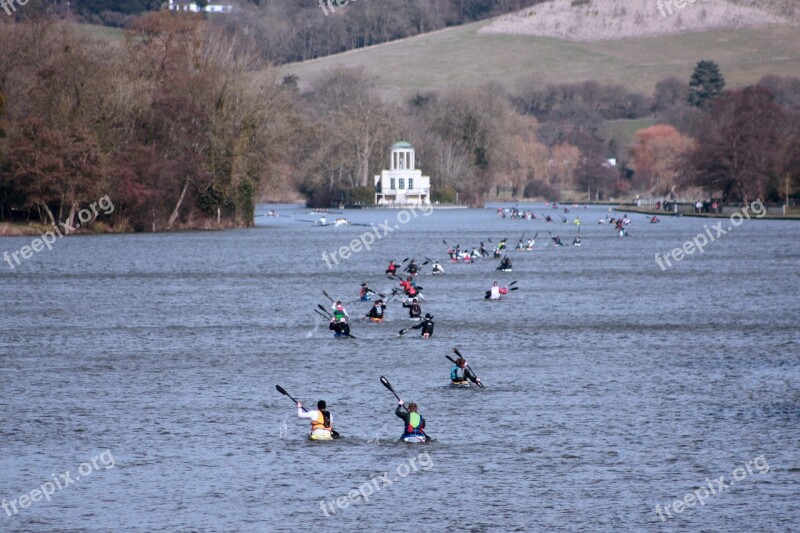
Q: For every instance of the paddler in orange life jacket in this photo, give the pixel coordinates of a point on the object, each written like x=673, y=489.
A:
x=376, y=313
x=414, y=423
x=409, y=287
x=321, y=423
x=392, y=268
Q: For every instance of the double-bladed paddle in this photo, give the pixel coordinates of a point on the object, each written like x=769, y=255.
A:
x=389, y=386
x=334, y=433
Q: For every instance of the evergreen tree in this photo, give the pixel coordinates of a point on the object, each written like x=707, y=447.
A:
x=707, y=84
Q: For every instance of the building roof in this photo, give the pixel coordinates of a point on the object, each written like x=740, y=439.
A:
x=402, y=145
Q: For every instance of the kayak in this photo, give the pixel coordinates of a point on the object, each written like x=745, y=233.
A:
x=320, y=437
x=460, y=384
x=414, y=439
x=376, y=320
x=338, y=335
x=504, y=269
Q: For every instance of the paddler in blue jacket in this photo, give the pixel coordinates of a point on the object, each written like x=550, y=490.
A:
x=460, y=373
x=414, y=423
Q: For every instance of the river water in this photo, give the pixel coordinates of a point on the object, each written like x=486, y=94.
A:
x=613, y=386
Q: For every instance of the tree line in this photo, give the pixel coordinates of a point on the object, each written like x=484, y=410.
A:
x=183, y=124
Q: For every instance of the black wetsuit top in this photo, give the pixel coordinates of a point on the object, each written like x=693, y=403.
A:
x=414, y=310
x=427, y=327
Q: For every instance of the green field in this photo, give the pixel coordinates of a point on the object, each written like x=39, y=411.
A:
x=461, y=56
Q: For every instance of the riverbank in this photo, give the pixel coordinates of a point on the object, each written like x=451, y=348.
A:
x=791, y=215
x=19, y=229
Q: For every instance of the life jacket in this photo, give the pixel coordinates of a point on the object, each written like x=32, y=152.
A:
x=319, y=422
x=338, y=314
x=414, y=421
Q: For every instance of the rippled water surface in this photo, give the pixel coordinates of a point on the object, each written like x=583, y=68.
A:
x=613, y=386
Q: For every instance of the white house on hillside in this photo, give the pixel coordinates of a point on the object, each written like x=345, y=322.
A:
x=193, y=7
x=402, y=184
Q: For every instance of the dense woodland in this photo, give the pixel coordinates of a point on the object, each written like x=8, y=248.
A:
x=296, y=30
x=184, y=124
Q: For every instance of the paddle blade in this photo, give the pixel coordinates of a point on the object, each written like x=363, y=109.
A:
x=450, y=358
x=281, y=390
x=404, y=331
x=386, y=383
x=455, y=351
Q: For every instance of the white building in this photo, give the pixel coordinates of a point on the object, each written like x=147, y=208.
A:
x=402, y=184
x=192, y=7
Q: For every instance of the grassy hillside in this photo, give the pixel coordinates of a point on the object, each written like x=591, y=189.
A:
x=463, y=56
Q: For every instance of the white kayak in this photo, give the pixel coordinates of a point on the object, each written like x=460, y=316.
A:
x=460, y=384
x=414, y=439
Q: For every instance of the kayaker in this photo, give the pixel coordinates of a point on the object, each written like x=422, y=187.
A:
x=460, y=373
x=409, y=287
x=520, y=245
x=366, y=293
x=654, y=220
x=576, y=241
x=557, y=241
x=414, y=310
x=392, y=268
x=340, y=326
x=437, y=268
x=426, y=325
x=376, y=313
x=321, y=423
x=530, y=245
x=505, y=264
x=339, y=311
x=414, y=424
x=483, y=251
x=412, y=268
x=496, y=292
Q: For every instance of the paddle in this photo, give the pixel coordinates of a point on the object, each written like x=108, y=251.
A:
x=326, y=317
x=325, y=311
x=328, y=296
x=334, y=433
x=455, y=350
x=389, y=386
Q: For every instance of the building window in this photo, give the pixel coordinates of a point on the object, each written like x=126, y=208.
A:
x=411, y=183
x=391, y=184
x=402, y=183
